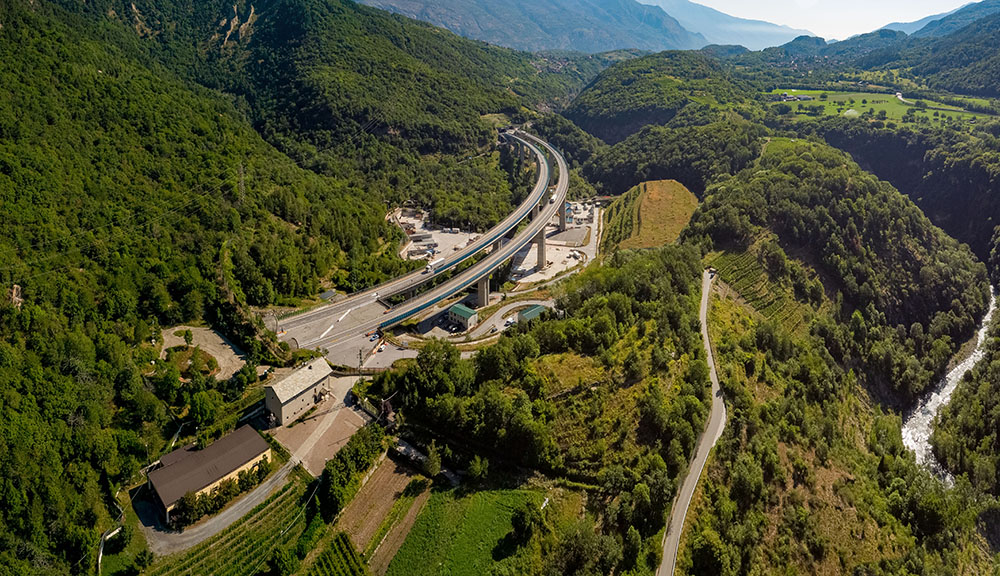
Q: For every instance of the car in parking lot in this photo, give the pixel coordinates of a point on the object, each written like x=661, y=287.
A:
x=381, y=347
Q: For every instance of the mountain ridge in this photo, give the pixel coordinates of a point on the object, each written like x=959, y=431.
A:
x=590, y=26
x=724, y=29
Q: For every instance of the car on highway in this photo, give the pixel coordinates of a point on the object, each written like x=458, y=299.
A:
x=493, y=329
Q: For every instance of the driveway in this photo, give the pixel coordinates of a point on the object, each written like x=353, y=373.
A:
x=163, y=541
x=713, y=430
x=318, y=437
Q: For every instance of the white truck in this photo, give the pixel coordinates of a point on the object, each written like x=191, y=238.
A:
x=432, y=265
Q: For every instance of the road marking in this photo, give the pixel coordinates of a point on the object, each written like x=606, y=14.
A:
x=327, y=331
x=342, y=316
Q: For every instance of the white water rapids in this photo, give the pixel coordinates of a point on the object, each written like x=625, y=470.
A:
x=917, y=428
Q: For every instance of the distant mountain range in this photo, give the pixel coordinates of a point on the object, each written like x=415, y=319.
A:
x=721, y=28
x=911, y=27
x=592, y=25
x=941, y=25
x=535, y=25
x=959, y=19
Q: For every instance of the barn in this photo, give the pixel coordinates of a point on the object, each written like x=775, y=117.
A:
x=201, y=471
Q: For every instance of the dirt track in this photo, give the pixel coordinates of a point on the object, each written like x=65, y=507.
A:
x=229, y=357
x=379, y=562
x=363, y=516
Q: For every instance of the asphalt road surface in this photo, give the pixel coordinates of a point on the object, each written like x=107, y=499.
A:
x=716, y=423
x=330, y=323
x=497, y=319
x=162, y=543
x=342, y=339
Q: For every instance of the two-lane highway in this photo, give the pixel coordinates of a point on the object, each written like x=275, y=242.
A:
x=713, y=431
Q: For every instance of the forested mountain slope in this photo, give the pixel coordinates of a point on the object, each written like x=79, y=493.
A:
x=582, y=25
x=950, y=174
x=695, y=149
x=911, y=27
x=807, y=464
x=154, y=169
x=652, y=90
x=911, y=293
x=955, y=21
x=965, y=61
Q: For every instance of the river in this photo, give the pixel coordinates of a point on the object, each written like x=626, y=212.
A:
x=917, y=428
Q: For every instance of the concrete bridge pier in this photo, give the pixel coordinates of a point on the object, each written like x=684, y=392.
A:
x=540, y=241
x=562, y=217
x=483, y=292
x=496, y=245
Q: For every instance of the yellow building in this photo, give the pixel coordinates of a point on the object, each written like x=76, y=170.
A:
x=201, y=471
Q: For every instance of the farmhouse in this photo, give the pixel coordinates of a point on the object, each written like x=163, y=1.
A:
x=463, y=316
x=201, y=471
x=291, y=397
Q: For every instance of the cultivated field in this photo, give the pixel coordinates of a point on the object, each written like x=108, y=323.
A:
x=462, y=535
x=857, y=103
x=339, y=559
x=664, y=209
x=363, y=516
x=237, y=550
x=743, y=272
x=397, y=524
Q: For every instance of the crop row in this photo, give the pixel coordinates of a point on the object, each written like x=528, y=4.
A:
x=340, y=559
x=252, y=537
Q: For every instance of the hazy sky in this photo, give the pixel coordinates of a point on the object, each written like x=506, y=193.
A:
x=838, y=19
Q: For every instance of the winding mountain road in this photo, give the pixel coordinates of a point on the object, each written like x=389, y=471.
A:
x=713, y=430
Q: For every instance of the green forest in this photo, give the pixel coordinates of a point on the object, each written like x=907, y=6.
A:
x=124, y=216
x=167, y=163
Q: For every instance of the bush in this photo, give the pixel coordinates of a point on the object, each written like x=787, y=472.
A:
x=342, y=475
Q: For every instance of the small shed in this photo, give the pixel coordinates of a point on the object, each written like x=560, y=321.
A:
x=529, y=314
x=463, y=316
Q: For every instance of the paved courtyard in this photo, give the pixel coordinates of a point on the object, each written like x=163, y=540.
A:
x=322, y=433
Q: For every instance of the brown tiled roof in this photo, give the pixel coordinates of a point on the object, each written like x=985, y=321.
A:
x=188, y=470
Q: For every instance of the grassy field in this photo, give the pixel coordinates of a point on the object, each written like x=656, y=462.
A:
x=651, y=214
x=461, y=534
x=238, y=550
x=339, y=559
x=857, y=103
